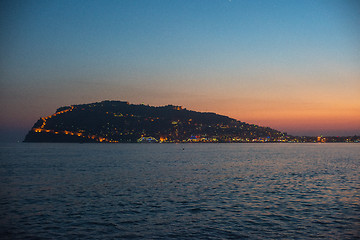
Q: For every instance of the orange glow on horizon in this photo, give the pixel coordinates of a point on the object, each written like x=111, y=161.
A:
x=322, y=114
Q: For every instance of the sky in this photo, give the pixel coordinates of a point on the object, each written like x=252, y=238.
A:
x=290, y=65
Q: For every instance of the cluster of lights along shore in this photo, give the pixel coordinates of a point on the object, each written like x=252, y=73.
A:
x=117, y=121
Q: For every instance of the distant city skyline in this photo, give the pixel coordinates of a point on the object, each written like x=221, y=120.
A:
x=290, y=65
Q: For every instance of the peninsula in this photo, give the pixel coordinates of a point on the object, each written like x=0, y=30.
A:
x=122, y=122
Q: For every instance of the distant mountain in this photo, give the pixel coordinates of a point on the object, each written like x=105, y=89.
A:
x=119, y=121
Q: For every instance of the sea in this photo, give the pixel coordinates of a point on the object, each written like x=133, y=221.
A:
x=180, y=191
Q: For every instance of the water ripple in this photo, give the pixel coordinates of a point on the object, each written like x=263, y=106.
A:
x=216, y=191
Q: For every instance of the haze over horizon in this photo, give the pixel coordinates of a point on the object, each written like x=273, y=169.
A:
x=290, y=65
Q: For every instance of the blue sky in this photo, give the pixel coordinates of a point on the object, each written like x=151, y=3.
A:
x=290, y=65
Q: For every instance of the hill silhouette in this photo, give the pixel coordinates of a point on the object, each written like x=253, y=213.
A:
x=119, y=121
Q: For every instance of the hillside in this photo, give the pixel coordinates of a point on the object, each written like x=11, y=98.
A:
x=118, y=121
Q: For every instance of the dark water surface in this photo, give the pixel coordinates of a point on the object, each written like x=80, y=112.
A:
x=180, y=191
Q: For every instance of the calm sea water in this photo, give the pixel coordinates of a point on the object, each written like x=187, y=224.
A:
x=180, y=191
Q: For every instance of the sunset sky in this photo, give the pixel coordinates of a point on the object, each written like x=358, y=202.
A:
x=288, y=64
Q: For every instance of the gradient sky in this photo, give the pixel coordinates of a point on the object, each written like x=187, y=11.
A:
x=287, y=64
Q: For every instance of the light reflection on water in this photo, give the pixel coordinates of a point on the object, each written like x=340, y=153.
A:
x=181, y=191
